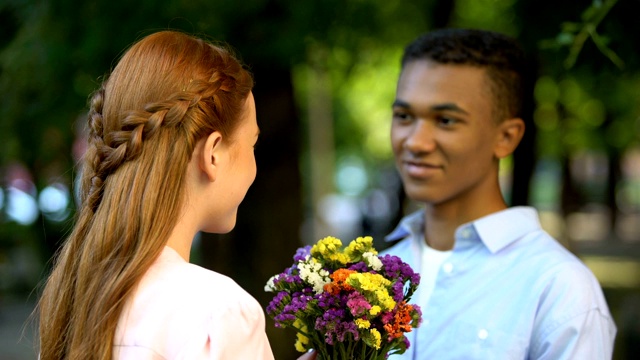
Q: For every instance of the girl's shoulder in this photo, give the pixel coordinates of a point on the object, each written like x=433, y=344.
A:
x=177, y=303
x=174, y=279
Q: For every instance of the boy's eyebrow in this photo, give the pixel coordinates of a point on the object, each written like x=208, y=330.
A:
x=437, y=107
x=449, y=107
x=400, y=103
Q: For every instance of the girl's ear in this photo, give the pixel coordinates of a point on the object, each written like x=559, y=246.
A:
x=211, y=155
x=510, y=133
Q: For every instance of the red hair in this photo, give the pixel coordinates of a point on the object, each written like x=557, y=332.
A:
x=168, y=91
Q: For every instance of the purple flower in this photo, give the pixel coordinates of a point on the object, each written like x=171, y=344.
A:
x=334, y=328
x=284, y=308
x=359, y=267
x=301, y=253
x=387, y=317
x=284, y=319
x=287, y=278
x=278, y=302
x=346, y=327
x=327, y=322
x=398, y=291
x=333, y=315
x=395, y=268
x=298, y=302
x=326, y=300
x=417, y=317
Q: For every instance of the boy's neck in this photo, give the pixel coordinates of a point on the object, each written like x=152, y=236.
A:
x=442, y=220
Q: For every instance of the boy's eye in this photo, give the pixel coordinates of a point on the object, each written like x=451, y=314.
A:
x=401, y=115
x=447, y=121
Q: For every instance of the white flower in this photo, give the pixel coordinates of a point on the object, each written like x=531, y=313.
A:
x=314, y=275
x=270, y=286
x=372, y=260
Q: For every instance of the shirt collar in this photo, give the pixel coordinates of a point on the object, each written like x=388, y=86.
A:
x=500, y=229
x=496, y=230
x=409, y=225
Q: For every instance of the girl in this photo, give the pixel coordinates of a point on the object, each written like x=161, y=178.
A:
x=172, y=132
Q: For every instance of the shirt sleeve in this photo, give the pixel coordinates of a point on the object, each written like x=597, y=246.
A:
x=243, y=338
x=236, y=333
x=586, y=336
x=575, y=320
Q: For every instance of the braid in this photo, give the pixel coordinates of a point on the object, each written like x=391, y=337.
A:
x=92, y=184
x=109, y=150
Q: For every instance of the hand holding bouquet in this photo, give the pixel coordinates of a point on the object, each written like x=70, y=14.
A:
x=346, y=302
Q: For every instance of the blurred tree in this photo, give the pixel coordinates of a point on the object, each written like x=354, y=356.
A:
x=587, y=102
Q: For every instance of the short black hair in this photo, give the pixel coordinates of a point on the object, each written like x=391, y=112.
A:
x=501, y=56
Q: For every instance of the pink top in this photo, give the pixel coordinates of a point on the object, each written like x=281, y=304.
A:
x=183, y=311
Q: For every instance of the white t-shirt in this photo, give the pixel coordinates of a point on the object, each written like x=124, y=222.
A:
x=432, y=260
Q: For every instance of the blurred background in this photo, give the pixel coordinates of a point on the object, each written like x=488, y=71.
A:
x=325, y=75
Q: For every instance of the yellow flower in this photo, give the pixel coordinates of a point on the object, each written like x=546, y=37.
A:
x=375, y=310
x=363, y=323
x=301, y=340
x=326, y=245
x=373, y=338
x=299, y=324
x=340, y=258
x=299, y=344
x=359, y=246
x=330, y=249
x=384, y=299
x=374, y=288
x=368, y=281
x=377, y=338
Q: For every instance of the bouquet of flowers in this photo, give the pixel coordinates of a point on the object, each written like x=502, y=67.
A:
x=346, y=302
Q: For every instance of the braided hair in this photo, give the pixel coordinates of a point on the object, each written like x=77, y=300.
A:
x=168, y=91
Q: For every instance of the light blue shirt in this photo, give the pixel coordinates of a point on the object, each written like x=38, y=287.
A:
x=508, y=291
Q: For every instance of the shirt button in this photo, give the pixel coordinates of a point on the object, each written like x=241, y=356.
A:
x=466, y=233
x=447, y=267
x=483, y=334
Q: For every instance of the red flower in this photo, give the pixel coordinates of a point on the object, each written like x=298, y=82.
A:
x=401, y=322
x=339, y=278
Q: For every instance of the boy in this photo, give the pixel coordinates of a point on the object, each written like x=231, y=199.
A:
x=494, y=284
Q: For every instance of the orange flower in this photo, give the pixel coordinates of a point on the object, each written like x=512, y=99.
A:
x=339, y=278
x=401, y=322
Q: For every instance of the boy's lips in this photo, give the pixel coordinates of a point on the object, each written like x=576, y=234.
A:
x=420, y=169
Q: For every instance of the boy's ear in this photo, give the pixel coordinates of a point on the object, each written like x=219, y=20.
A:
x=510, y=133
x=210, y=156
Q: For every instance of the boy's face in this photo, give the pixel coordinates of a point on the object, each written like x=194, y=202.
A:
x=444, y=133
